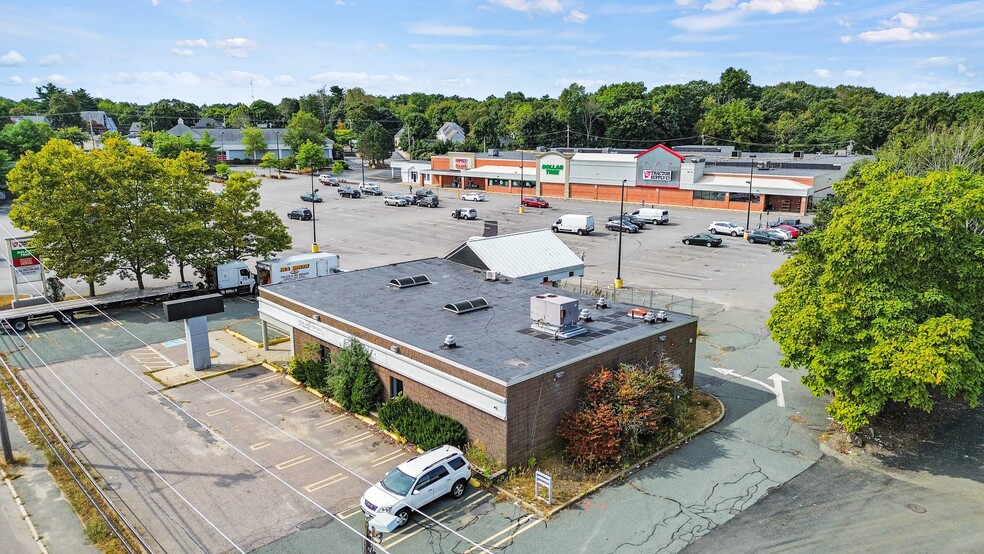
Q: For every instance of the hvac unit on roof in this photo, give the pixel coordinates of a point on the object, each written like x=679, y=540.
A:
x=493, y=152
x=736, y=153
x=491, y=275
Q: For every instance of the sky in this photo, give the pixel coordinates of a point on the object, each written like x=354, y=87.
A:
x=228, y=51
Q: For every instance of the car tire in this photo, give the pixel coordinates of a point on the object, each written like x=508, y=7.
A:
x=687, y=242
x=751, y=240
x=66, y=318
x=713, y=231
x=580, y=232
x=19, y=325
x=734, y=234
x=403, y=515
x=555, y=230
x=458, y=489
x=773, y=243
x=708, y=245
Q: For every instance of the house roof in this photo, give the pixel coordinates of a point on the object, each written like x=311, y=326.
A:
x=496, y=343
x=524, y=255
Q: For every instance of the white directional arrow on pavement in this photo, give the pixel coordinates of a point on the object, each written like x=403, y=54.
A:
x=776, y=388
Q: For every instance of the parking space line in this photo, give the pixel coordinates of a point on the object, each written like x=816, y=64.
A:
x=521, y=521
x=331, y=421
x=388, y=458
x=265, y=379
x=336, y=478
x=355, y=439
x=516, y=534
x=259, y=445
x=151, y=315
x=356, y=510
x=214, y=413
x=303, y=407
x=420, y=527
x=278, y=394
x=293, y=462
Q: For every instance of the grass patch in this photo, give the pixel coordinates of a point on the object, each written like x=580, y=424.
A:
x=571, y=481
x=93, y=526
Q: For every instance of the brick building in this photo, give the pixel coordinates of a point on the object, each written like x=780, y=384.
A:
x=508, y=379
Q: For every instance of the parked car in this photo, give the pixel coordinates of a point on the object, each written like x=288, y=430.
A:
x=311, y=197
x=534, y=202
x=395, y=201
x=428, y=201
x=417, y=482
x=303, y=214
x=702, y=239
x=793, y=231
x=621, y=226
x=726, y=228
x=766, y=236
x=802, y=226
x=328, y=180
x=464, y=213
x=420, y=193
x=786, y=235
x=410, y=198
x=349, y=192
x=631, y=219
x=370, y=189
x=473, y=196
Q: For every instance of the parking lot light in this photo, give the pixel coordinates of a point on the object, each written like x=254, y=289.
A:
x=314, y=218
x=748, y=211
x=621, y=231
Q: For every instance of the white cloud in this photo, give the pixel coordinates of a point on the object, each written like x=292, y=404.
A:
x=183, y=78
x=360, y=79
x=901, y=28
x=51, y=59
x=962, y=70
x=700, y=23
x=441, y=30
x=200, y=42
x=718, y=5
x=15, y=80
x=458, y=82
x=182, y=52
x=378, y=47
x=782, y=6
x=576, y=16
x=283, y=80
x=822, y=72
x=686, y=3
x=846, y=38
x=530, y=6
x=935, y=61
x=12, y=58
x=461, y=47
x=55, y=78
x=237, y=42
x=853, y=73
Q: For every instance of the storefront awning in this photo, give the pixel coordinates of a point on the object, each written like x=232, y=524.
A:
x=760, y=185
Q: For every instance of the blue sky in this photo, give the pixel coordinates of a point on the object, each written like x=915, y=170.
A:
x=208, y=51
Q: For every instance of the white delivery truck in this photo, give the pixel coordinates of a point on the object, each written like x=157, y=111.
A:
x=574, y=223
x=296, y=268
x=656, y=216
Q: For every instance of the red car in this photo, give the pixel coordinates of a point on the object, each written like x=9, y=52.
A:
x=534, y=202
x=793, y=231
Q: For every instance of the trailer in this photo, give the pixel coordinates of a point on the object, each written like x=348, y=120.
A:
x=296, y=268
x=66, y=311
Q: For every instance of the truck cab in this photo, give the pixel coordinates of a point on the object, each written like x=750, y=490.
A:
x=231, y=277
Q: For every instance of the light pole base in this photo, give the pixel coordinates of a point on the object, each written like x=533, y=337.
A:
x=618, y=283
x=522, y=209
x=314, y=248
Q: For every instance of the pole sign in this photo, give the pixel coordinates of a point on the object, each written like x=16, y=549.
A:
x=23, y=264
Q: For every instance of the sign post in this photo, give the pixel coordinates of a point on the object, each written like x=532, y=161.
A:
x=541, y=479
x=24, y=267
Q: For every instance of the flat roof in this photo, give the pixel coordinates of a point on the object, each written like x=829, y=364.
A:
x=496, y=343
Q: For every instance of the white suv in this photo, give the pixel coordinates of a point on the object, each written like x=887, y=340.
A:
x=726, y=228
x=418, y=481
x=370, y=188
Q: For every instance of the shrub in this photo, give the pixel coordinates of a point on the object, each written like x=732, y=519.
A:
x=309, y=368
x=366, y=390
x=339, y=166
x=352, y=381
x=420, y=425
x=222, y=170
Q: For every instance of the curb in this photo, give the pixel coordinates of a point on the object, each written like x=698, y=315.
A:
x=252, y=342
x=547, y=514
x=209, y=376
x=23, y=511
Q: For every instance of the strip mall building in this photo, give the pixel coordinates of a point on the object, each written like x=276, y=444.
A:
x=700, y=176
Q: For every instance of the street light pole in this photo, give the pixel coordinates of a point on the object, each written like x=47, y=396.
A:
x=748, y=211
x=278, y=153
x=314, y=219
x=522, y=162
x=621, y=231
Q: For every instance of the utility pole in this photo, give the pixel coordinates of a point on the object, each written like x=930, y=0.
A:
x=568, y=136
x=8, y=452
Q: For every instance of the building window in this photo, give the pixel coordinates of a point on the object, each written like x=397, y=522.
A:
x=743, y=197
x=396, y=387
x=498, y=183
x=711, y=195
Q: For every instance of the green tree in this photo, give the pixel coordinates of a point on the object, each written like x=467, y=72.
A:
x=63, y=111
x=303, y=127
x=164, y=114
x=75, y=135
x=375, y=144
x=263, y=111
x=168, y=146
x=60, y=196
x=85, y=100
x=351, y=379
x=135, y=200
x=239, y=229
x=46, y=92
x=24, y=136
x=188, y=204
x=253, y=142
x=238, y=117
x=884, y=304
x=734, y=84
x=959, y=145
x=734, y=121
x=287, y=108
x=310, y=155
x=269, y=162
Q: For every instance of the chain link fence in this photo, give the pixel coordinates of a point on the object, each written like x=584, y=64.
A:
x=639, y=297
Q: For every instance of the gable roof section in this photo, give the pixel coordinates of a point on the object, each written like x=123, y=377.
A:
x=661, y=147
x=519, y=255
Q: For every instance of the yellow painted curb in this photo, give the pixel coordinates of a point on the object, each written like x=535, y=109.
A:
x=252, y=342
x=204, y=377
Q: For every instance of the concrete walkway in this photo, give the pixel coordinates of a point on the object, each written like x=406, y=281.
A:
x=230, y=352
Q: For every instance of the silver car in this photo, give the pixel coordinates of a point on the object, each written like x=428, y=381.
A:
x=395, y=201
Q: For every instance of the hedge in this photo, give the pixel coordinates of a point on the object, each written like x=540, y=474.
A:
x=420, y=425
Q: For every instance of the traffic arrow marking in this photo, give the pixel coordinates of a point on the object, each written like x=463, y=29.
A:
x=775, y=388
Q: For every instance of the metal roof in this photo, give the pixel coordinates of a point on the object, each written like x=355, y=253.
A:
x=526, y=254
x=496, y=343
x=739, y=183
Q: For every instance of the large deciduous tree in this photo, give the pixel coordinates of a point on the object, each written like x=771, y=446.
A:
x=885, y=303
x=253, y=142
x=240, y=230
x=303, y=127
x=24, y=136
x=189, y=204
x=375, y=144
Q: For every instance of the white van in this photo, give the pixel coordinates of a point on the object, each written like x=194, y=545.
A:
x=574, y=223
x=657, y=216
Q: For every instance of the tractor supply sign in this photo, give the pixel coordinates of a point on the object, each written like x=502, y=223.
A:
x=653, y=175
x=23, y=264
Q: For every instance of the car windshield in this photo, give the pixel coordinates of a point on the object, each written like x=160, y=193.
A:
x=397, y=482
